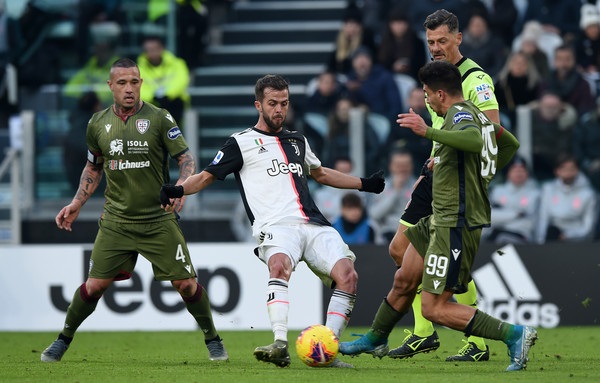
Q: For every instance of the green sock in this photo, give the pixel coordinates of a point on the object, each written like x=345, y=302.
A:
x=489, y=327
x=80, y=308
x=384, y=322
x=199, y=306
x=470, y=299
x=423, y=327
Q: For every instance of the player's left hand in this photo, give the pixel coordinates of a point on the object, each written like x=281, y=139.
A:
x=375, y=183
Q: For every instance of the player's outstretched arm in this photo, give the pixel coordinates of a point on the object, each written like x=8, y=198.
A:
x=331, y=177
x=88, y=183
x=191, y=185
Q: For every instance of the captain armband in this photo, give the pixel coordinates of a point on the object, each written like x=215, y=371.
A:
x=95, y=159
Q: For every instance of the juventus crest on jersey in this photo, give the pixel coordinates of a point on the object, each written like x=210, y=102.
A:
x=271, y=171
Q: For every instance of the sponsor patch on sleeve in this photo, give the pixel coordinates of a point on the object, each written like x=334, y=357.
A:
x=484, y=92
x=217, y=158
x=174, y=132
x=458, y=117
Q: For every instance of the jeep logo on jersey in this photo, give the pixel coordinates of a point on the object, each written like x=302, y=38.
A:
x=174, y=132
x=142, y=125
x=283, y=168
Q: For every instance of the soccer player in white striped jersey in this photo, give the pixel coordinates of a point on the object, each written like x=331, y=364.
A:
x=271, y=165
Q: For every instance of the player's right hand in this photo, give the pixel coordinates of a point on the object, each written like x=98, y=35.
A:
x=66, y=216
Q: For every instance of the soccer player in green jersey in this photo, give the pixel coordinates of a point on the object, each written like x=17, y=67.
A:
x=129, y=143
x=443, y=40
x=466, y=158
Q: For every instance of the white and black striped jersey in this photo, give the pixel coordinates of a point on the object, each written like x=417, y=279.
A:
x=271, y=171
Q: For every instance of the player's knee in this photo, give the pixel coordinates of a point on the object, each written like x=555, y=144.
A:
x=185, y=287
x=96, y=287
x=347, y=281
x=429, y=311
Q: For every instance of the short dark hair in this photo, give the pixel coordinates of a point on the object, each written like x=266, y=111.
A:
x=441, y=75
x=274, y=81
x=442, y=17
x=124, y=63
x=352, y=200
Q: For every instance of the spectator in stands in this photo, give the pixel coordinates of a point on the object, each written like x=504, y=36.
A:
x=566, y=81
x=519, y=83
x=94, y=74
x=327, y=93
x=351, y=36
x=538, y=45
x=502, y=17
x=418, y=146
x=568, y=205
x=480, y=45
x=387, y=208
x=92, y=12
x=329, y=200
x=552, y=125
x=191, y=22
x=515, y=206
x=74, y=146
x=338, y=138
x=587, y=44
x=401, y=51
x=11, y=46
x=586, y=145
x=560, y=17
x=354, y=224
x=166, y=78
x=371, y=85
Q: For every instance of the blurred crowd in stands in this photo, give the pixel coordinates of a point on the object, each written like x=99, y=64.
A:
x=544, y=54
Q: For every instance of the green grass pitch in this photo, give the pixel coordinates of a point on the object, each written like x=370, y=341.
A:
x=565, y=354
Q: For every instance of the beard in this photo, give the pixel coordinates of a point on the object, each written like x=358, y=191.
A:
x=272, y=125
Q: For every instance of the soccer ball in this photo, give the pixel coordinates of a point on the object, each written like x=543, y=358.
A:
x=317, y=346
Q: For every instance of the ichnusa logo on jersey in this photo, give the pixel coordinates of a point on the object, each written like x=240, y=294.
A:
x=508, y=292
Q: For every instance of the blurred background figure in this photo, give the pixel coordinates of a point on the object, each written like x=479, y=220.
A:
x=337, y=143
x=586, y=145
x=552, y=125
x=401, y=51
x=587, y=45
x=353, y=224
x=483, y=47
x=166, y=78
x=74, y=146
x=94, y=74
x=11, y=46
x=568, y=82
x=537, y=45
x=351, y=36
x=373, y=86
x=329, y=200
x=568, y=205
x=386, y=208
x=515, y=206
x=518, y=83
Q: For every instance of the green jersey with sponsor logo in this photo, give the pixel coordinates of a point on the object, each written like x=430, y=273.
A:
x=135, y=154
x=465, y=156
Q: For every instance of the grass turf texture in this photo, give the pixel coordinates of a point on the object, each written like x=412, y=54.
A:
x=560, y=355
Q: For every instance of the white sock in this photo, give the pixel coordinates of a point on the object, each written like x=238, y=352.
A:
x=278, y=305
x=339, y=311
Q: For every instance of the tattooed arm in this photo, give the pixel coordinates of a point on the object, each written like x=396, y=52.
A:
x=187, y=167
x=90, y=179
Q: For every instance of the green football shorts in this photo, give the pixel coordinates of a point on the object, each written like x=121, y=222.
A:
x=117, y=246
x=448, y=254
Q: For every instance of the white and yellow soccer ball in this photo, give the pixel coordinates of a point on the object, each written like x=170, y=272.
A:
x=317, y=346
